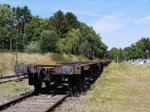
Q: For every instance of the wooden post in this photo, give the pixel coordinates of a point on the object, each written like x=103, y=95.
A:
x=16, y=52
x=10, y=45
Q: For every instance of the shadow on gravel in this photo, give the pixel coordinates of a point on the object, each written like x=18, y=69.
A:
x=55, y=90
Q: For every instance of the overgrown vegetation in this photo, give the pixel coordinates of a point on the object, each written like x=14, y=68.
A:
x=61, y=33
x=121, y=88
x=11, y=89
x=8, y=60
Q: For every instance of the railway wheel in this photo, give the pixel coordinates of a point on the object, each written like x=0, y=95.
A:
x=37, y=85
x=70, y=85
x=80, y=85
x=76, y=86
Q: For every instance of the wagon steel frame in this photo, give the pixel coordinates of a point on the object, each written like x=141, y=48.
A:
x=73, y=73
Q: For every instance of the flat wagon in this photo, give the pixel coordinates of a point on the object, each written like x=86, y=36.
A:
x=74, y=74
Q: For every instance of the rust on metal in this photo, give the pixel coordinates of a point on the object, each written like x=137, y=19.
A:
x=52, y=72
x=48, y=63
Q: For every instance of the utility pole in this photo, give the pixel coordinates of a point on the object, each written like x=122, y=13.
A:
x=10, y=45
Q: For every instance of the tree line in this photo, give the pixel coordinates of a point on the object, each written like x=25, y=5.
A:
x=139, y=49
x=60, y=33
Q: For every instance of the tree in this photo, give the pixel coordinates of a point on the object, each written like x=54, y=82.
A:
x=6, y=22
x=138, y=49
x=94, y=40
x=62, y=23
x=57, y=23
x=70, y=44
x=85, y=49
x=22, y=16
x=48, y=41
x=34, y=28
x=117, y=54
x=71, y=21
x=113, y=53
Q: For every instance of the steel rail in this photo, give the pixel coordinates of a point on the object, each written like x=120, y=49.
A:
x=13, y=80
x=7, y=104
x=57, y=103
x=5, y=77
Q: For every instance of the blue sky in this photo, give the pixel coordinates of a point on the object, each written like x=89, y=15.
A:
x=119, y=22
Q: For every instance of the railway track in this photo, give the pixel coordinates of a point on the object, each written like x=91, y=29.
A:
x=13, y=78
x=74, y=78
x=44, y=102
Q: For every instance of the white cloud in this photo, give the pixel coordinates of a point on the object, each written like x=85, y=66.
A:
x=107, y=24
x=119, y=32
x=78, y=12
x=11, y=2
x=143, y=20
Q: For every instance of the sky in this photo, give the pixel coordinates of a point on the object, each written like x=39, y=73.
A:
x=119, y=22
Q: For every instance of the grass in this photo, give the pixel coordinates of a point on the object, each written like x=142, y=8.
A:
x=10, y=89
x=121, y=88
x=8, y=60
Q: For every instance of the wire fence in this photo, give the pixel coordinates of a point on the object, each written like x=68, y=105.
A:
x=14, y=46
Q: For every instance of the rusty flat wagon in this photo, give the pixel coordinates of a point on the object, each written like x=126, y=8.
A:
x=74, y=74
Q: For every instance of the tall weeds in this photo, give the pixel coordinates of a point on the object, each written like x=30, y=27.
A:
x=8, y=60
